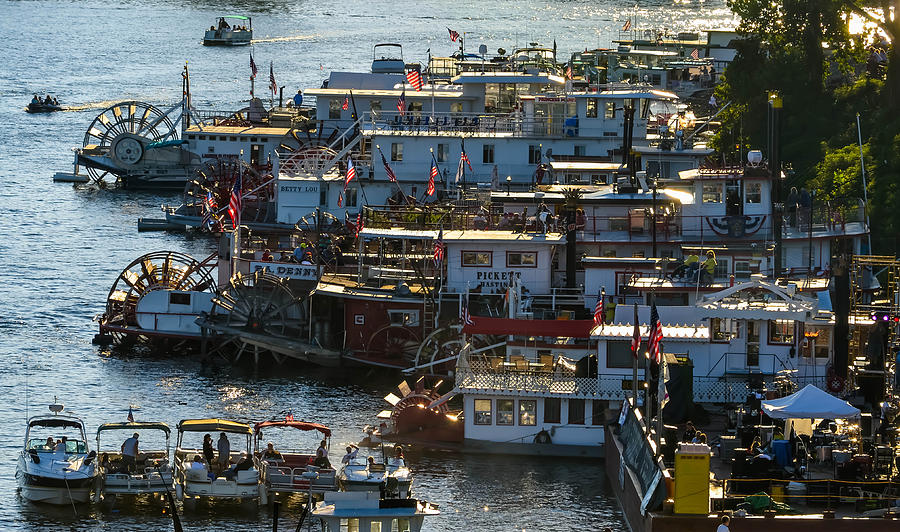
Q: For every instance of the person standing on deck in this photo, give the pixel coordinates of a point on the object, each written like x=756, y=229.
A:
x=130, y=452
x=224, y=451
x=723, y=527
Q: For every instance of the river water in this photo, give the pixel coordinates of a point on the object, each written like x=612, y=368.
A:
x=61, y=246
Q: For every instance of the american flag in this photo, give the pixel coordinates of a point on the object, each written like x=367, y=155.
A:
x=253, y=69
x=209, y=208
x=439, y=248
x=387, y=168
x=627, y=25
x=695, y=54
x=414, y=79
x=636, y=337
x=351, y=173
x=130, y=415
x=465, y=158
x=569, y=72
x=431, y=177
x=598, y=310
x=401, y=103
x=464, y=315
x=655, y=336
x=454, y=36
x=234, y=205
x=359, y=223
x=272, y=85
x=346, y=104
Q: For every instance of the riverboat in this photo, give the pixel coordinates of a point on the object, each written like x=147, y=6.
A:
x=56, y=466
x=238, y=33
x=153, y=473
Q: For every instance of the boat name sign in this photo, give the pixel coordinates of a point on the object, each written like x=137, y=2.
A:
x=285, y=271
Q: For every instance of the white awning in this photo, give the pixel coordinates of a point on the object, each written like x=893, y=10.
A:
x=810, y=403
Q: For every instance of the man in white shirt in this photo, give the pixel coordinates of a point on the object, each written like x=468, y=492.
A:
x=724, y=526
x=130, y=452
x=351, y=454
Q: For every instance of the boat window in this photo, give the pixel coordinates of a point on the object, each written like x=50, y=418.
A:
x=350, y=196
x=178, y=298
x=742, y=269
x=817, y=340
x=456, y=107
x=375, y=107
x=721, y=269
x=723, y=329
x=609, y=110
x=552, y=409
x=712, y=192
x=505, y=414
x=483, y=411
x=442, y=151
x=521, y=259
x=396, y=151
x=781, y=332
x=597, y=417
x=753, y=192
x=576, y=411
x=212, y=149
x=580, y=150
x=375, y=526
x=591, y=108
x=334, y=109
x=528, y=412
x=409, y=318
x=233, y=139
x=618, y=354
x=534, y=154
x=477, y=258
x=202, y=137
x=415, y=108
x=487, y=154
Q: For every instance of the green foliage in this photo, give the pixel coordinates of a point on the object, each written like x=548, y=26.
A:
x=838, y=175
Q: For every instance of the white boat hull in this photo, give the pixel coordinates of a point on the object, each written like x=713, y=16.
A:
x=57, y=496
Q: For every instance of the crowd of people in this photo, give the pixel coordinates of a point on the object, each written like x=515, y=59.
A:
x=47, y=100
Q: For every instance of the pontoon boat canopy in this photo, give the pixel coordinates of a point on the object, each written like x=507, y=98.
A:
x=138, y=425
x=55, y=422
x=213, y=425
x=301, y=425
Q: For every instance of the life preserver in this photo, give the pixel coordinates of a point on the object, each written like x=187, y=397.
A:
x=835, y=383
x=543, y=437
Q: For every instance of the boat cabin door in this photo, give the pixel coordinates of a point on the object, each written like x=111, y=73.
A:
x=256, y=154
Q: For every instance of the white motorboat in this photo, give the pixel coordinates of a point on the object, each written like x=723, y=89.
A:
x=371, y=512
x=153, y=472
x=55, y=465
x=392, y=479
x=238, y=33
x=198, y=482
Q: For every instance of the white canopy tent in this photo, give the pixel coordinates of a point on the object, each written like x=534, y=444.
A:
x=810, y=403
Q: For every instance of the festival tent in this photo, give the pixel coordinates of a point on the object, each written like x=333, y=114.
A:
x=810, y=403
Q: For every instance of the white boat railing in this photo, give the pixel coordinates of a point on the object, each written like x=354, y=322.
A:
x=279, y=477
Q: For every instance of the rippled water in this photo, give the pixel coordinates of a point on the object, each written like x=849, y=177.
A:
x=61, y=247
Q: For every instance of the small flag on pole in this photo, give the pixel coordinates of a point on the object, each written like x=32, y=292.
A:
x=439, y=248
x=627, y=25
x=401, y=103
x=414, y=79
x=464, y=315
x=431, y=177
x=387, y=168
x=253, y=69
x=598, y=310
x=234, y=205
x=454, y=36
x=569, y=72
x=636, y=336
x=359, y=223
x=695, y=54
x=346, y=104
x=130, y=415
x=655, y=336
x=272, y=85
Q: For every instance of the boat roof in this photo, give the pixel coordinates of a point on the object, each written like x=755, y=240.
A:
x=135, y=425
x=239, y=17
x=300, y=425
x=480, y=78
x=213, y=425
x=425, y=93
x=585, y=165
x=55, y=421
x=238, y=130
x=451, y=237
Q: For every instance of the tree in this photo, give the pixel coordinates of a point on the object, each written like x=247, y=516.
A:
x=889, y=23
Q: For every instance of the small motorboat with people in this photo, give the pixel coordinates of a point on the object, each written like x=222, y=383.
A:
x=231, y=30
x=292, y=470
x=47, y=104
x=140, y=465
x=390, y=478
x=207, y=469
x=371, y=512
x=55, y=465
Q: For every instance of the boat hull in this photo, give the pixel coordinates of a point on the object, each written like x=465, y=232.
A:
x=533, y=449
x=54, y=490
x=42, y=108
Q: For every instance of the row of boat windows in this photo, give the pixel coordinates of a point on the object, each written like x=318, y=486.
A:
x=386, y=525
x=224, y=138
x=713, y=192
x=535, y=155
x=514, y=259
x=526, y=415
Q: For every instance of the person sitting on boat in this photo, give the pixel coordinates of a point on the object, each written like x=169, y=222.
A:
x=48, y=100
x=35, y=100
x=322, y=456
x=55, y=101
x=244, y=464
x=352, y=450
x=198, y=462
x=370, y=461
x=61, y=445
x=222, y=24
x=298, y=98
x=397, y=460
x=708, y=268
x=271, y=454
x=689, y=432
x=267, y=256
x=224, y=451
x=130, y=451
x=50, y=443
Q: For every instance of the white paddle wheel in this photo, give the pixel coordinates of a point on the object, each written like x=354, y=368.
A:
x=158, y=296
x=438, y=352
x=121, y=133
x=391, y=346
x=256, y=314
x=421, y=412
x=216, y=179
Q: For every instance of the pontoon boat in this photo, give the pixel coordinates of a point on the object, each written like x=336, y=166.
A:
x=239, y=32
x=153, y=473
x=199, y=482
x=285, y=472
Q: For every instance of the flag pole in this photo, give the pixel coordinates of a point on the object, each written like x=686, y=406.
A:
x=634, y=376
x=660, y=396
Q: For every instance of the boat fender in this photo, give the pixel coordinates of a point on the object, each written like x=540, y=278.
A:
x=543, y=437
x=835, y=383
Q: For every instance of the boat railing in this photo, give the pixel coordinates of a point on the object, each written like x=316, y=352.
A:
x=511, y=125
x=525, y=377
x=279, y=477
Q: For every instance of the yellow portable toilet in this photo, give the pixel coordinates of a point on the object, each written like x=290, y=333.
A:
x=692, y=479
